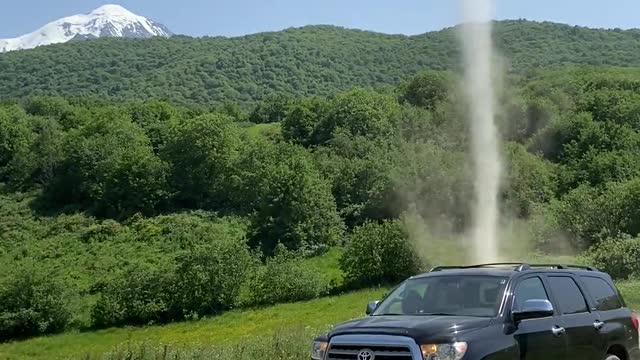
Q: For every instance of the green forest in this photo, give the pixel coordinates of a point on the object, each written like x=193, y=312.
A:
x=146, y=182
x=307, y=61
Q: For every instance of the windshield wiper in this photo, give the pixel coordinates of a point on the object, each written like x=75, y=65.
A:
x=389, y=314
x=437, y=314
x=415, y=314
x=448, y=314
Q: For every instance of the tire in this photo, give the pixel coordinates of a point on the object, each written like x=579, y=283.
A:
x=611, y=357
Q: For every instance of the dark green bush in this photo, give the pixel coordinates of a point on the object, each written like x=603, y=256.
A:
x=427, y=89
x=590, y=215
x=379, y=253
x=358, y=112
x=290, y=201
x=284, y=278
x=201, y=152
x=435, y=182
x=362, y=186
x=302, y=118
x=209, y=277
x=619, y=257
x=31, y=304
x=530, y=180
x=16, y=139
x=272, y=109
x=110, y=168
x=138, y=295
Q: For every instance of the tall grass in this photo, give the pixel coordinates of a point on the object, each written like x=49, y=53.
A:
x=284, y=344
x=630, y=290
x=271, y=329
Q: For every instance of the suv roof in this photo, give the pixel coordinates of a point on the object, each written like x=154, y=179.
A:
x=502, y=269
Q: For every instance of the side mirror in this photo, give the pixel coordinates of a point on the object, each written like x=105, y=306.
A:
x=371, y=306
x=533, y=309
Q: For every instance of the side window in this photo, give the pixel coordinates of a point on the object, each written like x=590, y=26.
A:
x=605, y=297
x=529, y=289
x=568, y=295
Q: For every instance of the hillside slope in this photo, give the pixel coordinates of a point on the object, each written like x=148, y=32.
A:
x=282, y=331
x=313, y=60
x=235, y=332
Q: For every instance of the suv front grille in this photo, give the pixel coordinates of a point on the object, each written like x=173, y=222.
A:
x=381, y=352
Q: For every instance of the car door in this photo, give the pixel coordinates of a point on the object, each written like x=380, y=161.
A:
x=583, y=341
x=613, y=320
x=535, y=337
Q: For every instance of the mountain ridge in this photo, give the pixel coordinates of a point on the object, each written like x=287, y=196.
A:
x=105, y=21
x=304, y=61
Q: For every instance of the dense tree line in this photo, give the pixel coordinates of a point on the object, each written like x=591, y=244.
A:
x=147, y=211
x=300, y=62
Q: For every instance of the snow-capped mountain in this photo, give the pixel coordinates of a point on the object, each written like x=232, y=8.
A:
x=105, y=21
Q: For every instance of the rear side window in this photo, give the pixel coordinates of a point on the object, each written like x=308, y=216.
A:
x=568, y=294
x=605, y=297
x=529, y=289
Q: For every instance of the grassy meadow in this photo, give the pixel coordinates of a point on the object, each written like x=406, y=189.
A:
x=278, y=332
x=259, y=327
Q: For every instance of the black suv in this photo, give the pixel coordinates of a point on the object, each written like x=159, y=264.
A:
x=492, y=311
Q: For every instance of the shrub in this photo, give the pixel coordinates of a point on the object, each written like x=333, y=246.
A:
x=590, y=215
x=545, y=232
x=290, y=202
x=272, y=109
x=359, y=112
x=284, y=278
x=110, y=167
x=427, y=89
x=435, y=182
x=379, y=253
x=302, y=118
x=530, y=180
x=31, y=304
x=137, y=295
x=201, y=152
x=209, y=277
x=16, y=139
x=618, y=257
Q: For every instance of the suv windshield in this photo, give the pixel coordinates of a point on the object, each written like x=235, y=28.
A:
x=445, y=295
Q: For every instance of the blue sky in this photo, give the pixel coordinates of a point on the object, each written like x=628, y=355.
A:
x=238, y=17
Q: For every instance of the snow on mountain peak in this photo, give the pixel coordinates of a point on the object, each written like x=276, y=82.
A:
x=105, y=21
x=112, y=10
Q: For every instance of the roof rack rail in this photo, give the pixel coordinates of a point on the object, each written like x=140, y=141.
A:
x=517, y=266
x=565, y=266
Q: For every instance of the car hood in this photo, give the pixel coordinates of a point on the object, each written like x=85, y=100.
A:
x=423, y=329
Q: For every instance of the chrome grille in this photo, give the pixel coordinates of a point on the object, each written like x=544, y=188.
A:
x=381, y=352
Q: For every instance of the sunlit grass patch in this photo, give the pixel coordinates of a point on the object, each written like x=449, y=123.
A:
x=222, y=332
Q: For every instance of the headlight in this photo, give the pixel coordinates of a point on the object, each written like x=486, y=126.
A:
x=318, y=349
x=453, y=351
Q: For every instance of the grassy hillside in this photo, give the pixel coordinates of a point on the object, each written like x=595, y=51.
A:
x=135, y=213
x=313, y=60
x=284, y=331
x=231, y=328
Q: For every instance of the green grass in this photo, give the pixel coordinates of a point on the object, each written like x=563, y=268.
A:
x=227, y=330
x=265, y=130
x=278, y=332
x=328, y=265
x=631, y=292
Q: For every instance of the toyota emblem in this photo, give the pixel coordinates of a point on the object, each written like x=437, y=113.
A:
x=366, y=354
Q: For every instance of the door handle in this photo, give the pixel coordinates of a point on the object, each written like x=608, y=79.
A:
x=598, y=324
x=558, y=331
